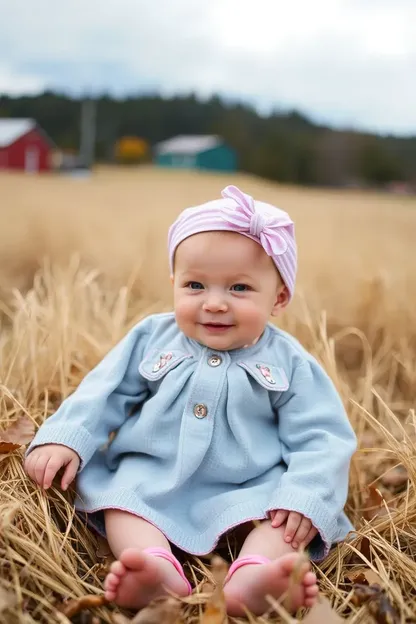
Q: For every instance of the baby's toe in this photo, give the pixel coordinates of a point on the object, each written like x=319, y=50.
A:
x=311, y=591
x=117, y=568
x=310, y=602
x=309, y=579
x=111, y=582
x=110, y=595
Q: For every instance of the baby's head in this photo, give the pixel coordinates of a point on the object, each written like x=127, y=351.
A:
x=233, y=265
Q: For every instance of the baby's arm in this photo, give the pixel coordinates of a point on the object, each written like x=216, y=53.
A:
x=317, y=445
x=102, y=401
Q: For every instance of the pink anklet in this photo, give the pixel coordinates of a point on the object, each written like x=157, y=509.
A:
x=242, y=561
x=165, y=554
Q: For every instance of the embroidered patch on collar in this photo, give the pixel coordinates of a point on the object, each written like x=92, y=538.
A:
x=266, y=372
x=163, y=360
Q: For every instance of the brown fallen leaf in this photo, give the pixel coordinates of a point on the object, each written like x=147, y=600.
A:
x=377, y=602
x=215, y=610
x=364, y=548
x=363, y=576
x=72, y=607
x=21, y=431
x=395, y=478
x=166, y=610
x=8, y=447
x=322, y=613
x=374, y=503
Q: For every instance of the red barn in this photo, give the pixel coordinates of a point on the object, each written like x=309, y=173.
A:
x=24, y=146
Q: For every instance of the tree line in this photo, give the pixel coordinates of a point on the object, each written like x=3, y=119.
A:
x=287, y=147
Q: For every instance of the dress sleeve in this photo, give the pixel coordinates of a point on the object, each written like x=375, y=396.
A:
x=102, y=401
x=317, y=445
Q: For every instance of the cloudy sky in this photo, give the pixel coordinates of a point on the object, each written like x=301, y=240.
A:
x=350, y=63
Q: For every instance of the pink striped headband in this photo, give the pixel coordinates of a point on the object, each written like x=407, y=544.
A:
x=269, y=226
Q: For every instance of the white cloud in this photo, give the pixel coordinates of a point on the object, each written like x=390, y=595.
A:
x=19, y=84
x=342, y=61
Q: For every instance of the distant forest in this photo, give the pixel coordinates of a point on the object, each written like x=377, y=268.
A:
x=285, y=147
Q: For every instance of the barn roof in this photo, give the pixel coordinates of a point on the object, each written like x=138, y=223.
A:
x=12, y=129
x=188, y=144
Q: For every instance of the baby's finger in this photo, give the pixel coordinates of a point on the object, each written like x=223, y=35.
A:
x=292, y=525
x=39, y=469
x=53, y=465
x=70, y=472
x=312, y=533
x=279, y=517
x=28, y=465
x=302, y=532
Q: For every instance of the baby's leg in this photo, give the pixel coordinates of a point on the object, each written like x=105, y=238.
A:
x=248, y=585
x=137, y=577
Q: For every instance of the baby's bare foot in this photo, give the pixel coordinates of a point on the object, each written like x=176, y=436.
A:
x=249, y=585
x=137, y=578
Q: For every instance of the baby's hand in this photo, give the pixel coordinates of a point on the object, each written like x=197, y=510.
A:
x=299, y=529
x=43, y=463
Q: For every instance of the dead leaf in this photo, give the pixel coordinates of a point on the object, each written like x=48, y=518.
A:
x=374, y=503
x=365, y=548
x=395, y=478
x=322, y=612
x=377, y=603
x=20, y=432
x=72, y=607
x=8, y=447
x=363, y=576
x=215, y=610
x=166, y=610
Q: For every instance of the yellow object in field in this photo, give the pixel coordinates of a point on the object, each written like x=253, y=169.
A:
x=131, y=149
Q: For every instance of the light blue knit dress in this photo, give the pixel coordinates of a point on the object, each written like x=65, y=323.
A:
x=208, y=440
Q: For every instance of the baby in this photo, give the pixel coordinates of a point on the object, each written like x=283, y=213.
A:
x=220, y=417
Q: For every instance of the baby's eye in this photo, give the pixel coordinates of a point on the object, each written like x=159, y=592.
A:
x=240, y=287
x=195, y=286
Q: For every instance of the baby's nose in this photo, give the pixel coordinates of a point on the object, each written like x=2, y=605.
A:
x=215, y=303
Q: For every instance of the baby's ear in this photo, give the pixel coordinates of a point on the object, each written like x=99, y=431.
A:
x=282, y=299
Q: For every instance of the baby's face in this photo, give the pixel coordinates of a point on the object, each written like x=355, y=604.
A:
x=225, y=289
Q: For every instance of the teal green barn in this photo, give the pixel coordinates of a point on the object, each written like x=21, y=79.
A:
x=206, y=152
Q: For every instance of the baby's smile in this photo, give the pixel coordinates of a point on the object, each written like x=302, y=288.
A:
x=215, y=327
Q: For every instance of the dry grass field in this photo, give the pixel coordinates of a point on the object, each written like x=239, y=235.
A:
x=81, y=260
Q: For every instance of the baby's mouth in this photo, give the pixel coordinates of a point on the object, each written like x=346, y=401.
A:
x=217, y=326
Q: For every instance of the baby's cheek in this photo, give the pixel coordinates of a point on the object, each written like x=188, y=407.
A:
x=254, y=315
x=185, y=310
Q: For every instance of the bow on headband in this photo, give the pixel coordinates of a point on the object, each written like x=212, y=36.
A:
x=244, y=218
